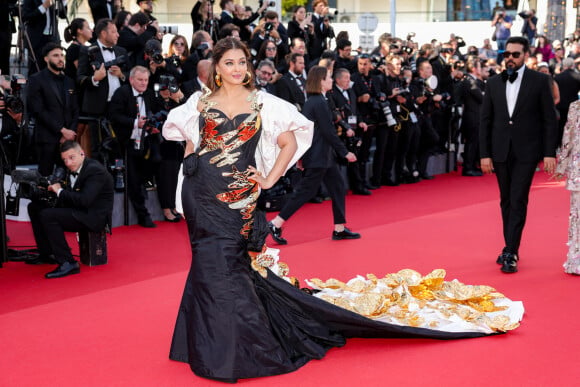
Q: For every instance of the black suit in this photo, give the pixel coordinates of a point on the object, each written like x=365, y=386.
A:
x=287, y=88
x=569, y=85
x=123, y=110
x=348, y=107
x=88, y=205
x=95, y=97
x=7, y=27
x=52, y=100
x=102, y=9
x=321, y=33
x=516, y=143
x=135, y=45
x=320, y=165
x=471, y=95
x=35, y=25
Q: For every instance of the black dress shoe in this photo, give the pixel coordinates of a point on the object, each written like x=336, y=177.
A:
x=471, y=172
x=316, y=200
x=276, y=233
x=41, y=260
x=510, y=263
x=147, y=222
x=427, y=177
x=176, y=214
x=64, y=269
x=344, y=234
x=361, y=191
x=372, y=186
x=174, y=220
x=390, y=183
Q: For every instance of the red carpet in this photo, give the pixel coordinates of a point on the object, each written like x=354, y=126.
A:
x=111, y=325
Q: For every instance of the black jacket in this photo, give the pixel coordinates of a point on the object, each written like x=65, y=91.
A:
x=92, y=196
x=52, y=108
x=531, y=132
x=287, y=88
x=325, y=143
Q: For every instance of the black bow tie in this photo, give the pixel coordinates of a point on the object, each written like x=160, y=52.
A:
x=74, y=174
x=139, y=95
x=108, y=49
x=511, y=77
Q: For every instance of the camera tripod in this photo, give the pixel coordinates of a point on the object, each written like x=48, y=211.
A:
x=211, y=24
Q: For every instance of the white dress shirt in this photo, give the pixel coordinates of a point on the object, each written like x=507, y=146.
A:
x=512, y=90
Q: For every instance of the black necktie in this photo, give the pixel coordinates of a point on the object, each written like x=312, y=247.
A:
x=511, y=77
x=108, y=49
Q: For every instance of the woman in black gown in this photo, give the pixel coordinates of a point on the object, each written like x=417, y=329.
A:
x=233, y=321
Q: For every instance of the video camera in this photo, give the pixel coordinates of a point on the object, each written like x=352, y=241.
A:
x=33, y=186
x=12, y=99
x=96, y=63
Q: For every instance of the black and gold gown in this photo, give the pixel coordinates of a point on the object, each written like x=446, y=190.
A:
x=237, y=318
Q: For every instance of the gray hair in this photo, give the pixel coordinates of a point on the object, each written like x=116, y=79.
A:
x=266, y=62
x=568, y=63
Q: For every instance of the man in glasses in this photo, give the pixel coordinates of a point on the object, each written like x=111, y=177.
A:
x=518, y=129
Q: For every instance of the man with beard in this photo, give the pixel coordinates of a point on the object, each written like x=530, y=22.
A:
x=53, y=104
x=518, y=129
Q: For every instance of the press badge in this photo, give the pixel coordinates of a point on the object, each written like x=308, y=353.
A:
x=352, y=120
x=413, y=117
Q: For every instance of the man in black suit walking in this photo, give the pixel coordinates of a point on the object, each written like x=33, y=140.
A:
x=98, y=83
x=518, y=129
x=128, y=111
x=40, y=18
x=104, y=9
x=53, y=103
x=84, y=202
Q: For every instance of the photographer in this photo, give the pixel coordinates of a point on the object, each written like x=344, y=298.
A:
x=131, y=113
x=169, y=96
x=349, y=125
x=133, y=38
x=201, y=47
x=502, y=24
x=271, y=29
x=53, y=104
x=8, y=9
x=529, y=26
x=344, y=57
x=367, y=93
x=102, y=70
x=41, y=20
x=83, y=201
x=322, y=29
x=11, y=108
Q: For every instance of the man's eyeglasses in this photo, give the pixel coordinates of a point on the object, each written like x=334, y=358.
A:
x=516, y=54
x=267, y=73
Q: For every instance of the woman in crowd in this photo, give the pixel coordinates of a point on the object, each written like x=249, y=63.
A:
x=268, y=50
x=176, y=56
x=569, y=167
x=122, y=20
x=319, y=162
x=301, y=25
x=78, y=33
x=239, y=316
x=545, y=48
x=199, y=14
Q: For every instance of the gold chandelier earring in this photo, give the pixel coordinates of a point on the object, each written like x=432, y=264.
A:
x=248, y=78
x=218, y=80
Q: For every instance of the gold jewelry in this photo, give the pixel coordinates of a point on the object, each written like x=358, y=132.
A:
x=248, y=78
x=218, y=80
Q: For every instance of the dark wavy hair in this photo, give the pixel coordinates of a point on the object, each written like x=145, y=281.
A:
x=72, y=30
x=221, y=47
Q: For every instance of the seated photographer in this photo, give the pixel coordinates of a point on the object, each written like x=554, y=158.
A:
x=53, y=103
x=82, y=201
x=131, y=113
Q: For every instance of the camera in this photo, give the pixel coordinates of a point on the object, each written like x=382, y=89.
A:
x=525, y=14
x=33, y=186
x=175, y=60
x=460, y=41
x=167, y=82
x=268, y=27
x=153, y=51
x=270, y=3
x=94, y=61
x=410, y=36
x=377, y=60
x=386, y=108
x=155, y=122
x=12, y=100
x=407, y=50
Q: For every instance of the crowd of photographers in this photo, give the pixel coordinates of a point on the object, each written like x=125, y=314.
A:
x=403, y=100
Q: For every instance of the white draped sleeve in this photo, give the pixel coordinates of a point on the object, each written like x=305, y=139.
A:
x=280, y=116
x=183, y=121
